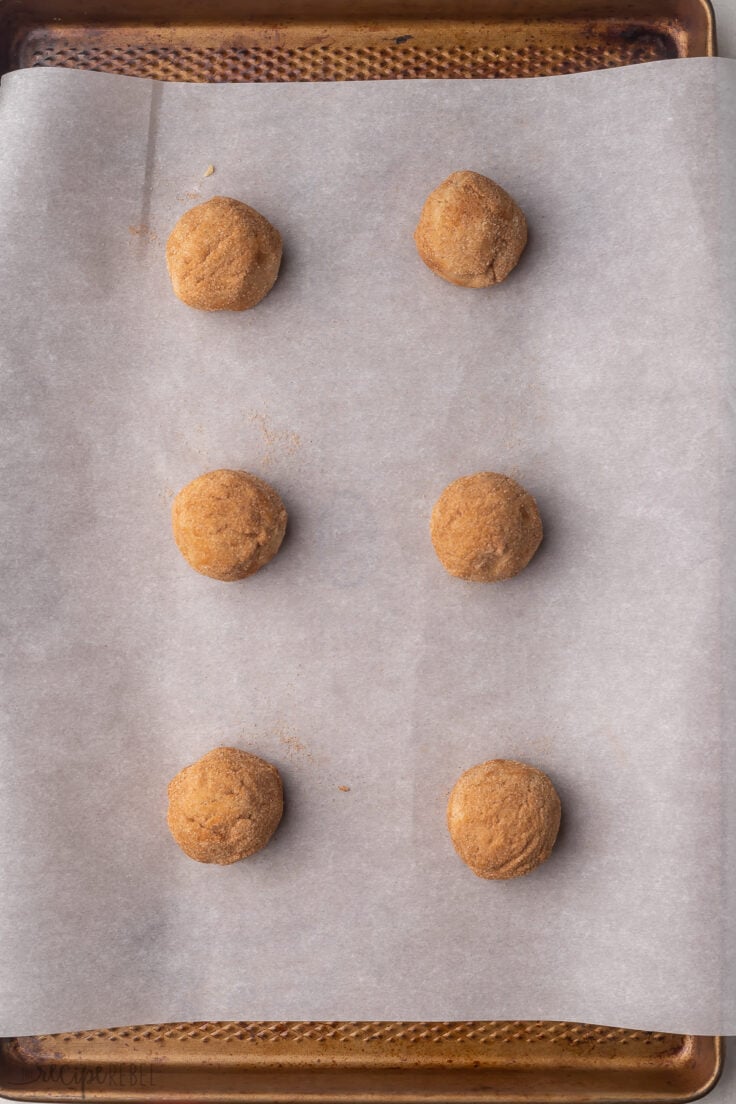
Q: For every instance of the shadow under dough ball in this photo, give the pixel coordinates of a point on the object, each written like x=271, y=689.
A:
x=485, y=527
x=503, y=818
x=223, y=255
x=471, y=232
x=228, y=524
x=225, y=806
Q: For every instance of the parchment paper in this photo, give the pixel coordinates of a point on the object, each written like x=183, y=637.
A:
x=601, y=374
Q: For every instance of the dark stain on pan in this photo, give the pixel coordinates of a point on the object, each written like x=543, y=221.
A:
x=643, y=42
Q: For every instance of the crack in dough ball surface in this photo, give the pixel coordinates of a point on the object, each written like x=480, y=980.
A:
x=223, y=255
x=471, y=232
x=228, y=524
x=503, y=818
x=485, y=527
x=225, y=807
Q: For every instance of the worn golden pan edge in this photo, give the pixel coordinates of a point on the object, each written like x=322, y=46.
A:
x=286, y=40
x=327, y=1063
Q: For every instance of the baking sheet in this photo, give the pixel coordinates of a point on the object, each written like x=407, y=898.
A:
x=600, y=374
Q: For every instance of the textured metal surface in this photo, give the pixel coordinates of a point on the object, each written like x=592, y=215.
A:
x=484, y=1033
x=328, y=40
x=341, y=63
x=327, y=1063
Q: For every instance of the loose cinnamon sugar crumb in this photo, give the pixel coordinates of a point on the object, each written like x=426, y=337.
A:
x=344, y=789
x=276, y=441
x=145, y=232
x=292, y=745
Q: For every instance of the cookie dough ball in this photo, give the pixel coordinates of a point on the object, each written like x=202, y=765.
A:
x=223, y=255
x=485, y=527
x=471, y=232
x=503, y=818
x=228, y=524
x=225, y=806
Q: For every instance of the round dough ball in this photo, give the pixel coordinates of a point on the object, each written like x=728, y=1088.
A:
x=225, y=806
x=471, y=232
x=228, y=524
x=503, y=818
x=485, y=527
x=223, y=255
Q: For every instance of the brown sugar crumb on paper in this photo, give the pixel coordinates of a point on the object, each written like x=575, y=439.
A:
x=145, y=232
x=276, y=441
x=292, y=745
x=344, y=789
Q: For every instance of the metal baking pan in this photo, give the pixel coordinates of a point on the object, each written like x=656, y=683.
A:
x=358, y=1063
x=303, y=40
x=327, y=1063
